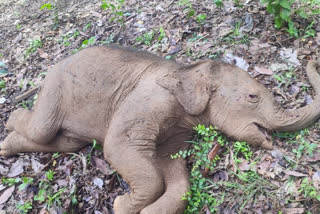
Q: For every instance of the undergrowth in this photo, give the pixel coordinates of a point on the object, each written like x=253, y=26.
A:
x=242, y=186
x=199, y=195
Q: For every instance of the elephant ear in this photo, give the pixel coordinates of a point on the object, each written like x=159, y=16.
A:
x=190, y=85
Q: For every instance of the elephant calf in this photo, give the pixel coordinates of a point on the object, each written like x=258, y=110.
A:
x=142, y=108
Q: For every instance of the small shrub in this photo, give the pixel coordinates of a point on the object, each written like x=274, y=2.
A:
x=33, y=47
x=146, y=38
x=309, y=190
x=47, y=6
x=199, y=195
x=188, y=7
x=24, y=208
x=284, y=12
x=116, y=9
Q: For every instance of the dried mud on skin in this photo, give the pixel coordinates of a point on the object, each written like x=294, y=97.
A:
x=62, y=30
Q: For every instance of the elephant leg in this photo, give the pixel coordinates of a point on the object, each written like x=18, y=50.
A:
x=177, y=184
x=42, y=124
x=15, y=143
x=139, y=170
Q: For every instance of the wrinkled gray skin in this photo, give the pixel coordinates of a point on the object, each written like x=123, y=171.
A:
x=142, y=108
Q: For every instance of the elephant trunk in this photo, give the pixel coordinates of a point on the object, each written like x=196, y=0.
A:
x=287, y=121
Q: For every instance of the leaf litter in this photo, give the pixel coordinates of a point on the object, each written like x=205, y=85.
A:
x=270, y=56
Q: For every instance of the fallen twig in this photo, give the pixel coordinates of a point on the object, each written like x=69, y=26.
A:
x=27, y=94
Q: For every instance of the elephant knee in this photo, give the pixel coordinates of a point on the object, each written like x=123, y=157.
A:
x=149, y=191
x=17, y=118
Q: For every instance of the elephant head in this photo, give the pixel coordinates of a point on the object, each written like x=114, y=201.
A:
x=237, y=104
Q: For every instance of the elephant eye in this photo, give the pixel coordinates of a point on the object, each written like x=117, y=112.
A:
x=253, y=98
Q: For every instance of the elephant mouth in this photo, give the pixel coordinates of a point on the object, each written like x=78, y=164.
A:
x=266, y=132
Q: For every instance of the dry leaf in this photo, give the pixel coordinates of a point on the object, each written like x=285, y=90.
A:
x=98, y=182
x=6, y=194
x=3, y=170
x=316, y=180
x=263, y=166
x=207, y=211
x=16, y=168
x=294, y=173
x=42, y=54
x=103, y=166
x=43, y=211
x=262, y=70
x=315, y=157
x=292, y=210
x=290, y=56
x=36, y=165
x=244, y=165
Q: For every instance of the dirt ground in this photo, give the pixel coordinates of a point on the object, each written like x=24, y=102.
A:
x=32, y=40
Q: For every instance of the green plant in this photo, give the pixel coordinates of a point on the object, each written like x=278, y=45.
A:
x=45, y=193
x=24, y=208
x=33, y=46
x=55, y=198
x=235, y=36
x=281, y=9
x=285, y=78
x=116, y=7
x=55, y=8
x=25, y=182
x=108, y=40
x=189, y=8
x=47, y=6
x=41, y=196
x=26, y=104
x=200, y=195
x=218, y=3
x=3, y=86
x=309, y=190
x=283, y=13
x=73, y=195
x=94, y=146
x=201, y=18
x=49, y=174
x=242, y=148
x=161, y=34
x=309, y=32
x=304, y=146
x=87, y=42
x=146, y=38
x=10, y=181
x=250, y=184
x=299, y=138
x=67, y=38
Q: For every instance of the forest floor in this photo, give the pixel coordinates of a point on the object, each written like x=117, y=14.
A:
x=34, y=39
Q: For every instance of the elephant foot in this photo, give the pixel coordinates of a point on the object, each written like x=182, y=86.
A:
x=267, y=145
x=16, y=143
x=177, y=184
x=12, y=144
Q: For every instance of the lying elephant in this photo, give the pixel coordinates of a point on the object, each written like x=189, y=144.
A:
x=142, y=108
